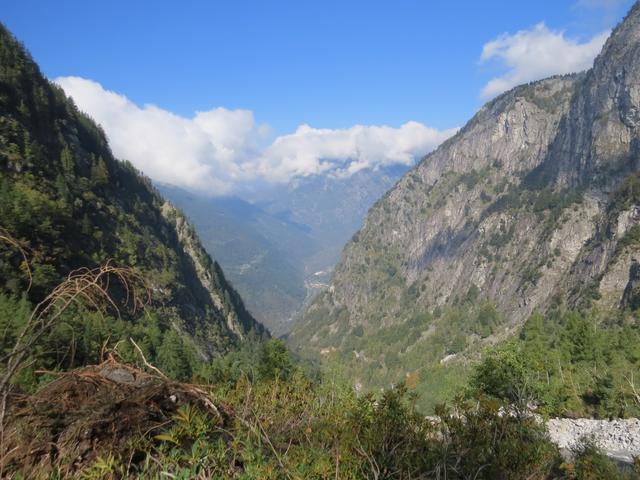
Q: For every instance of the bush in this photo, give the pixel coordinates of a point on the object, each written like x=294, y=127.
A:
x=591, y=464
x=503, y=375
x=480, y=441
x=569, y=364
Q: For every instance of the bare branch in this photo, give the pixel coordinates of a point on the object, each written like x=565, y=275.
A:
x=632, y=385
x=89, y=287
x=144, y=360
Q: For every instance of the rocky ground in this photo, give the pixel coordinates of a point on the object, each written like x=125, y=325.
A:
x=619, y=439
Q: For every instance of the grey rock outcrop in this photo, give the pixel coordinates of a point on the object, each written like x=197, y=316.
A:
x=618, y=439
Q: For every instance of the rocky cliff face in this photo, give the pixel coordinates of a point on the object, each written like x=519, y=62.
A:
x=533, y=205
x=225, y=301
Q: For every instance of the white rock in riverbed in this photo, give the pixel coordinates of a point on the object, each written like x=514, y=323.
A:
x=619, y=439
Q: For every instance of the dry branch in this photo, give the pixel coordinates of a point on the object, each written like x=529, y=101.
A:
x=144, y=360
x=89, y=287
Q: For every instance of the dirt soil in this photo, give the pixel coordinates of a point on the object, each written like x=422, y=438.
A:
x=89, y=413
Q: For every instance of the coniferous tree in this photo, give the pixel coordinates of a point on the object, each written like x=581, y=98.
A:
x=64, y=192
x=66, y=158
x=86, y=226
x=172, y=358
x=99, y=172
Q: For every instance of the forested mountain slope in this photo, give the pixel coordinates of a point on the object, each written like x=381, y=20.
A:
x=71, y=204
x=533, y=206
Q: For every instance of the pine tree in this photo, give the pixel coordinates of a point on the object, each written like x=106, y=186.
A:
x=99, y=172
x=86, y=227
x=172, y=358
x=67, y=161
x=29, y=153
x=63, y=189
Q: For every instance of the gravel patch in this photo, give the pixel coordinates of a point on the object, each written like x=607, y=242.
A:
x=619, y=439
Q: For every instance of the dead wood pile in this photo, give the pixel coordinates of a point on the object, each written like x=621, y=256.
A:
x=90, y=413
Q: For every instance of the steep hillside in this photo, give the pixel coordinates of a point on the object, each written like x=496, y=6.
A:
x=64, y=196
x=533, y=205
x=261, y=254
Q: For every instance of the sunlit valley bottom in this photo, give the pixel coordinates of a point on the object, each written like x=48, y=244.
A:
x=474, y=316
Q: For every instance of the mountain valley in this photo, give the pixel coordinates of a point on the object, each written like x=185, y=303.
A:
x=474, y=315
x=279, y=248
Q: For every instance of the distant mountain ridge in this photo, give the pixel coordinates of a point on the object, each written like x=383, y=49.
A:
x=533, y=206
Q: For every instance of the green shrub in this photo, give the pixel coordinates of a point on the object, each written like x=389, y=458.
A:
x=591, y=464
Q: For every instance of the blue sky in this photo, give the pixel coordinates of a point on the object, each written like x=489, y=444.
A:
x=327, y=64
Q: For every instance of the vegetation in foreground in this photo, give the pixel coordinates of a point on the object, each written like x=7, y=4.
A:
x=271, y=420
x=575, y=364
x=261, y=414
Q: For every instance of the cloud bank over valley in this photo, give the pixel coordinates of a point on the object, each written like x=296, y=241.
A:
x=220, y=151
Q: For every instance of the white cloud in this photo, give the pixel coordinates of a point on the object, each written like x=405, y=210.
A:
x=203, y=153
x=310, y=150
x=220, y=151
x=537, y=53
